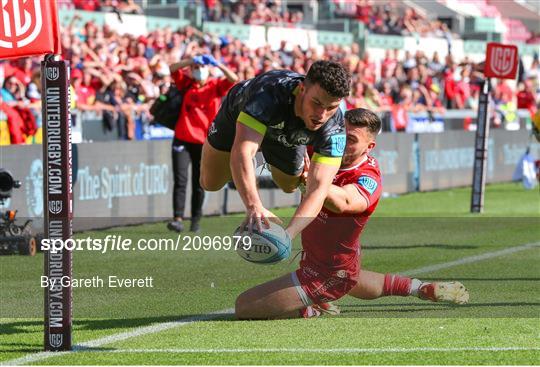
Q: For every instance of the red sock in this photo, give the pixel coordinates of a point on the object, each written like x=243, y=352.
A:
x=395, y=285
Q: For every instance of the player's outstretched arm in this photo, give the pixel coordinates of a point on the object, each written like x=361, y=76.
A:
x=319, y=180
x=345, y=200
x=245, y=146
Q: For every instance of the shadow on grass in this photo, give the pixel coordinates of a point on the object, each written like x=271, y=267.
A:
x=18, y=347
x=410, y=247
x=478, y=310
x=19, y=327
x=483, y=279
x=28, y=327
x=440, y=305
x=25, y=327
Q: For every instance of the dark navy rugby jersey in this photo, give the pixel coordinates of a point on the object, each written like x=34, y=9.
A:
x=266, y=104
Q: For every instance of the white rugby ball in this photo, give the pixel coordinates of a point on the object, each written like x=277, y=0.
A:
x=270, y=246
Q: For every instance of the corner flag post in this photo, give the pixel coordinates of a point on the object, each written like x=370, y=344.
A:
x=31, y=28
x=501, y=62
x=58, y=201
x=481, y=151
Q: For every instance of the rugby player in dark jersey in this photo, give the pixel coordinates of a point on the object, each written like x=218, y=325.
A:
x=279, y=113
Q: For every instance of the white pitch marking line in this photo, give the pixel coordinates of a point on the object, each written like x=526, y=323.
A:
x=145, y=330
x=470, y=259
x=319, y=350
x=151, y=329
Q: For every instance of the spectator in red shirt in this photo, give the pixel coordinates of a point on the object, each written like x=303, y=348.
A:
x=389, y=62
x=202, y=97
x=15, y=125
x=385, y=97
x=363, y=11
x=86, y=94
x=463, y=89
x=504, y=91
x=88, y=5
x=449, y=87
x=24, y=69
x=525, y=97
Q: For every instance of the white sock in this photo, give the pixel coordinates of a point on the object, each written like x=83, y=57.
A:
x=415, y=286
x=312, y=312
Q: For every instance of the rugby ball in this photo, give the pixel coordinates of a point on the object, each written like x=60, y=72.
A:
x=270, y=246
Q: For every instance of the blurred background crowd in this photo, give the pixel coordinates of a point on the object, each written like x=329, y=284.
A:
x=120, y=75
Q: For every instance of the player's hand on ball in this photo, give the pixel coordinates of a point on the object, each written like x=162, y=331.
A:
x=270, y=246
x=258, y=218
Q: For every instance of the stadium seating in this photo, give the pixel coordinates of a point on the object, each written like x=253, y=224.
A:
x=260, y=47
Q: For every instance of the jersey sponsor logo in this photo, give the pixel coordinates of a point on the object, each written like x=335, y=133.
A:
x=368, y=183
x=300, y=137
x=338, y=144
x=322, y=217
x=283, y=140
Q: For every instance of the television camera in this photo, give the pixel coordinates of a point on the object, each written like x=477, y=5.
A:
x=14, y=238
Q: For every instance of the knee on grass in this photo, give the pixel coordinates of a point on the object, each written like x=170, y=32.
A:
x=242, y=310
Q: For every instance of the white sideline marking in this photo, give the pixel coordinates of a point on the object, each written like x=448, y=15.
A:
x=470, y=259
x=151, y=329
x=319, y=350
x=145, y=330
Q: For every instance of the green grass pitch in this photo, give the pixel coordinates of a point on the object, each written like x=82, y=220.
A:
x=170, y=323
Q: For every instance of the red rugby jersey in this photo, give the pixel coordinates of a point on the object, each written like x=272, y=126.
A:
x=332, y=241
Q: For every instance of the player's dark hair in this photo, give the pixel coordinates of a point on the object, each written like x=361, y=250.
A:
x=331, y=76
x=364, y=118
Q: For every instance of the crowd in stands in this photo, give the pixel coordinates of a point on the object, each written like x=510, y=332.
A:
x=389, y=18
x=122, y=6
x=119, y=76
x=254, y=12
x=383, y=17
x=380, y=18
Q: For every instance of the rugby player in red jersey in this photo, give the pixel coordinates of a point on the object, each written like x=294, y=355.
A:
x=330, y=264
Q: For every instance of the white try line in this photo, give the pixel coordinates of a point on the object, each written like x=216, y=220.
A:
x=143, y=330
x=318, y=350
x=155, y=328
